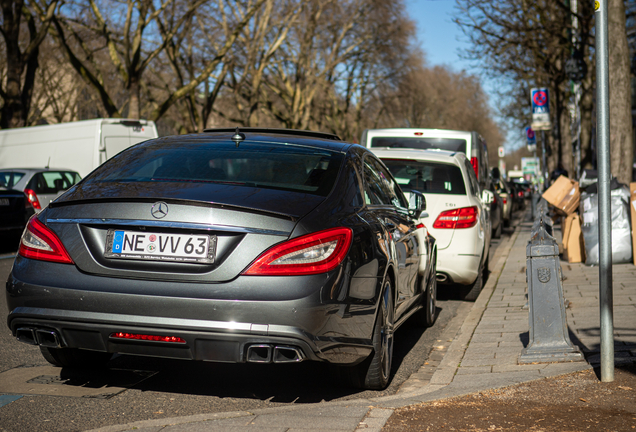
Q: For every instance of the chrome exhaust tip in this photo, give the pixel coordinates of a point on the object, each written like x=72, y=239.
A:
x=441, y=277
x=286, y=354
x=259, y=353
x=26, y=335
x=48, y=338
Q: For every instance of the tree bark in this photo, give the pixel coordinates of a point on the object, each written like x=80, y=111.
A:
x=19, y=90
x=620, y=104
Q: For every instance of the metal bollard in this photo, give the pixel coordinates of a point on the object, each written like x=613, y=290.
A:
x=549, y=339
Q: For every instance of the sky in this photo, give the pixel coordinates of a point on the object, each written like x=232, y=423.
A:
x=439, y=37
x=442, y=41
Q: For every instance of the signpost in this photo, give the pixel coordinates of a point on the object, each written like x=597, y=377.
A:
x=540, y=98
x=606, y=292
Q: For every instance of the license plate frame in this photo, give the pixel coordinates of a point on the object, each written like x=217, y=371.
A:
x=176, y=253
x=5, y=202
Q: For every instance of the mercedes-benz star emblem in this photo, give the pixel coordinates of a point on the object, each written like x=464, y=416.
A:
x=159, y=209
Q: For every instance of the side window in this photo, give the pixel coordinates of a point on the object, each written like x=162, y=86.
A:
x=37, y=184
x=373, y=190
x=382, y=184
x=474, y=184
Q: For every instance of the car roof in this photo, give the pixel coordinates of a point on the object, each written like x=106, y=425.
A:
x=426, y=133
x=35, y=170
x=432, y=155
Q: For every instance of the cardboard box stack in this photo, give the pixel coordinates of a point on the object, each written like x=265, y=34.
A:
x=564, y=196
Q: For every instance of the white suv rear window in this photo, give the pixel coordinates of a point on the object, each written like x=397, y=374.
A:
x=427, y=177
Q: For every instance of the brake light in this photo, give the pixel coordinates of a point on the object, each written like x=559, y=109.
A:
x=475, y=164
x=314, y=253
x=465, y=217
x=505, y=200
x=152, y=338
x=33, y=199
x=40, y=243
x=421, y=225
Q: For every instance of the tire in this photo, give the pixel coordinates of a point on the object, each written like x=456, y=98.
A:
x=75, y=358
x=497, y=233
x=430, y=310
x=375, y=372
x=425, y=317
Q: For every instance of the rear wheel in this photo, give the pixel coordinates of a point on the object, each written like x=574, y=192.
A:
x=426, y=316
x=431, y=303
x=75, y=358
x=375, y=372
x=497, y=233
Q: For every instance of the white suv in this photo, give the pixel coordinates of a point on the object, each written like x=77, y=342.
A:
x=470, y=143
x=457, y=213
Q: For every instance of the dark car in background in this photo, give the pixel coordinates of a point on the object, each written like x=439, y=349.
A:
x=261, y=246
x=15, y=211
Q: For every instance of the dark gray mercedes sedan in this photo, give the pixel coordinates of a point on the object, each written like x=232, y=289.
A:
x=251, y=245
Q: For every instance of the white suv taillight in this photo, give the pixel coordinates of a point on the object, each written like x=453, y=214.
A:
x=465, y=217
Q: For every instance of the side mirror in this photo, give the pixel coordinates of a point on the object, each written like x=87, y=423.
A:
x=417, y=204
x=487, y=197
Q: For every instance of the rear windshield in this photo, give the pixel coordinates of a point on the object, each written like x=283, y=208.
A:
x=8, y=178
x=450, y=144
x=275, y=166
x=427, y=177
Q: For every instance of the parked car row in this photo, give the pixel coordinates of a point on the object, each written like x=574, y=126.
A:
x=254, y=245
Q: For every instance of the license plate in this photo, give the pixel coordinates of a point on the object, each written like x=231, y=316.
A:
x=4, y=201
x=198, y=248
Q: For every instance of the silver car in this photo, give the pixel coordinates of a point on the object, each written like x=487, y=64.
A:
x=41, y=185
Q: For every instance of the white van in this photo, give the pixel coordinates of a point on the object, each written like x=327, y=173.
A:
x=78, y=146
x=470, y=143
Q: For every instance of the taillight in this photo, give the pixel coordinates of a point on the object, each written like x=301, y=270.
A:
x=475, y=164
x=465, y=217
x=421, y=225
x=505, y=201
x=33, y=199
x=40, y=243
x=314, y=253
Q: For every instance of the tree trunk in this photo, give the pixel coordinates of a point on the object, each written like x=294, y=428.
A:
x=134, y=91
x=620, y=104
x=12, y=112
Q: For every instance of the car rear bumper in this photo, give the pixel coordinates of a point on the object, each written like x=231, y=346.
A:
x=319, y=322
x=458, y=268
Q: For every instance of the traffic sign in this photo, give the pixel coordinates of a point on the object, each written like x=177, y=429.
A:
x=540, y=99
x=501, y=151
x=531, y=136
x=531, y=139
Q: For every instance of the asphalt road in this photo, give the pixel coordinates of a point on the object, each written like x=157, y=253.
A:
x=156, y=388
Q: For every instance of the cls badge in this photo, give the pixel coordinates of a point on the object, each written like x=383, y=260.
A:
x=159, y=210
x=543, y=274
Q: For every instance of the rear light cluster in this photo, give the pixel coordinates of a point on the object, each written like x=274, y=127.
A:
x=475, y=164
x=40, y=243
x=465, y=217
x=33, y=199
x=152, y=338
x=314, y=253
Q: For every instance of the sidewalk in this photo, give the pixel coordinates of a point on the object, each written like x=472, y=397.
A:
x=478, y=352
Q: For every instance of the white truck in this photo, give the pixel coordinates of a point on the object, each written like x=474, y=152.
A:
x=79, y=146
